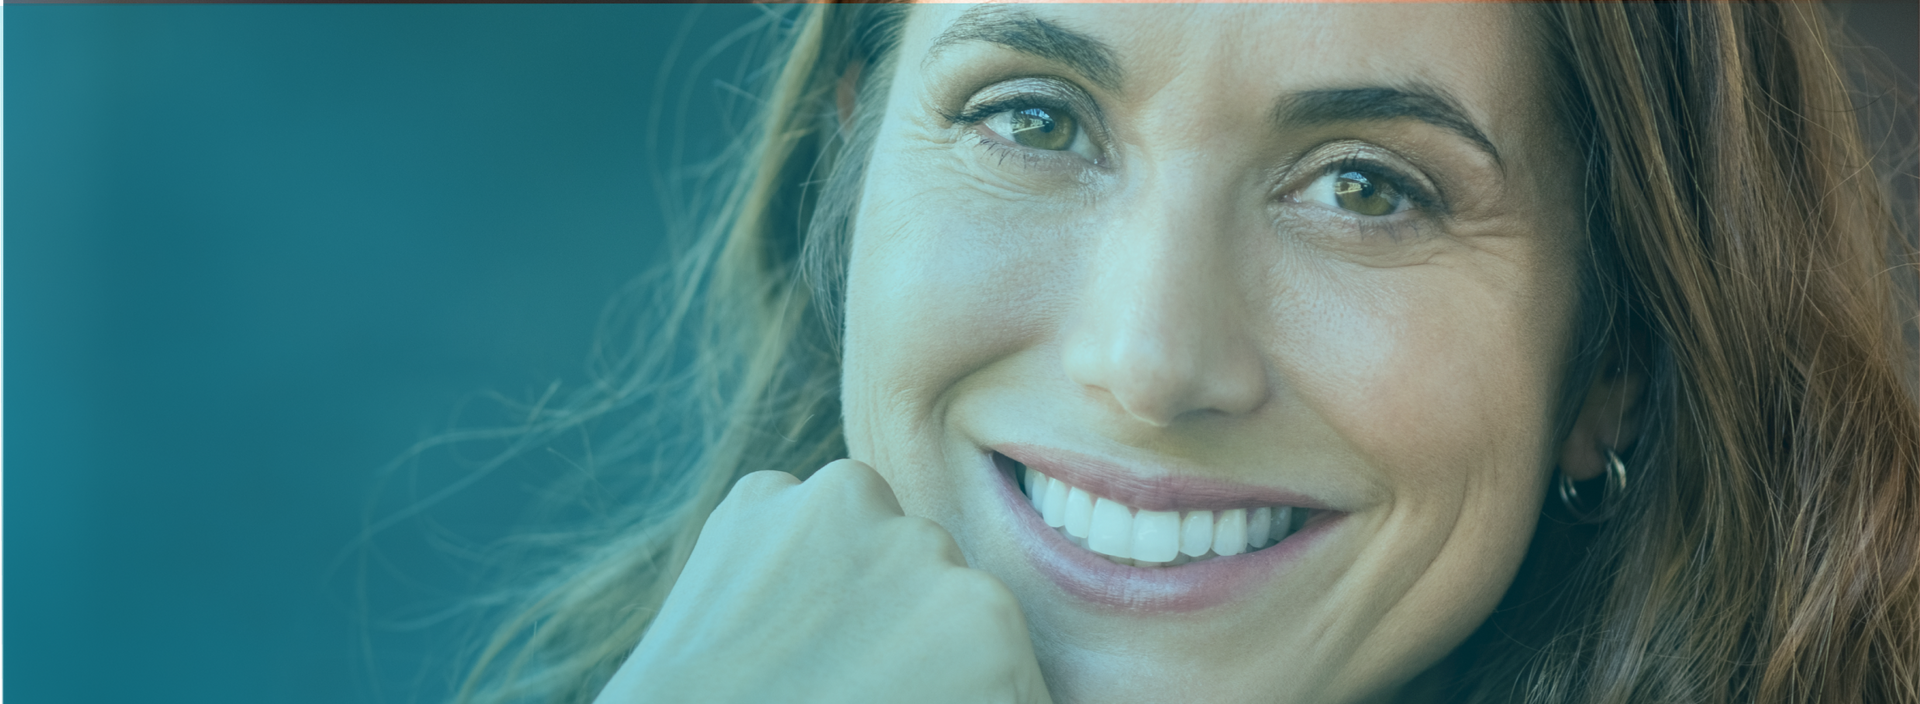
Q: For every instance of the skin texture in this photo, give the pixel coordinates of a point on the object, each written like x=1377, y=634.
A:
x=1172, y=309
x=856, y=601
x=1176, y=293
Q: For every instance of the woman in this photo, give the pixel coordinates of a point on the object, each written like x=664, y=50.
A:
x=1354, y=353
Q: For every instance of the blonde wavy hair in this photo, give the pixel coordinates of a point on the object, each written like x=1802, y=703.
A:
x=1740, y=245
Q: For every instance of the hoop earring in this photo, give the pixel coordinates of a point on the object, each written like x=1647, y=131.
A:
x=1616, y=489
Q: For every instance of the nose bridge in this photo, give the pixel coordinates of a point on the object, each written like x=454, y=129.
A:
x=1161, y=323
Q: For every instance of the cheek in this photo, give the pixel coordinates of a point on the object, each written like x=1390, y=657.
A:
x=1427, y=375
x=1445, y=391
x=939, y=288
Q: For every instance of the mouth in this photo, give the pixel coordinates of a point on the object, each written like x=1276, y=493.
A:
x=1138, y=537
x=1151, y=546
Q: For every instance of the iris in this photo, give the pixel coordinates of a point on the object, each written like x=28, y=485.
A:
x=1041, y=128
x=1355, y=192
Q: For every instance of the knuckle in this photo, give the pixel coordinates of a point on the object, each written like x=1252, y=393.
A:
x=988, y=592
x=922, y=535
x=758, y=486
x=848, y=472
x=984, y=605
x=859, y=485
x=842, y=470
x=993, y=601
x=981, y=591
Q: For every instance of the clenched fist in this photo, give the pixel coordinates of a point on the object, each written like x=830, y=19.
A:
x=824, y=591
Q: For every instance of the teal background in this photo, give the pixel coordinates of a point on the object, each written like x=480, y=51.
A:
x=256, y=251
x=2, y=240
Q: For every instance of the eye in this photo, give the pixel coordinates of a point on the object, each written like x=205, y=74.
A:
x=1042, y=128
x=1358, y=191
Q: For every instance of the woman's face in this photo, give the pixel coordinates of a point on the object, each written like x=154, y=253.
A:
x=1197, y=261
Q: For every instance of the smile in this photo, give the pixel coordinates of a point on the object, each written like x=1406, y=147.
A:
x=1140, y=538
x=1111, y=537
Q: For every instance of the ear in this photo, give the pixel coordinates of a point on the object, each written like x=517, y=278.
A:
x=1609, y=419
x=846, y=93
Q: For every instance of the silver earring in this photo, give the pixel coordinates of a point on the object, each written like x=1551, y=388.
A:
x=1616, y=488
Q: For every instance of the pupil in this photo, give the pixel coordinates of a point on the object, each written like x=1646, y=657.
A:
x=1354, y=183
x=1035, y=119
x=1040, y=128
x=1356, y=193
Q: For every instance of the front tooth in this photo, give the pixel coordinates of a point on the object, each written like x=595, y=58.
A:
x=1196, y=533
x=1111, y=530
x=1156, y=535
x=1036, y=489
x=1282, y=523
x=1259, y=521
x=1055, y=510
x=1230, y=533
x=1079, y=511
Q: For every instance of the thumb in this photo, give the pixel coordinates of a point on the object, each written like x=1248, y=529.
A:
x=1030, y=688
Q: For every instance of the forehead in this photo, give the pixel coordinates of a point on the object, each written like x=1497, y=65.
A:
x=1477, y=54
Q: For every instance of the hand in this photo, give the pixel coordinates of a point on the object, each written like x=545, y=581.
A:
x=824, y=591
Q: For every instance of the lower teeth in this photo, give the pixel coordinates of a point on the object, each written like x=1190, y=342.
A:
x=1178, y=560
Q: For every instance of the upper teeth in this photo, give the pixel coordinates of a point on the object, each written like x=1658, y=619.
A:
x=1152, y=538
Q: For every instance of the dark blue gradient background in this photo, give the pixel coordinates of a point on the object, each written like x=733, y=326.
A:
x=255, y=252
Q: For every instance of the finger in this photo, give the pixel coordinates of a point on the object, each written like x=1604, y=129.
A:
x=1003, y=615
x=752, y=491
x=985, y=605
x=1029, y=687
x=860, y=484
x=922, y=536
x=760, y=485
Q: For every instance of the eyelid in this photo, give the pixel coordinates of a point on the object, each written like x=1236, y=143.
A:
x=1033, y=92
x=1408, y=181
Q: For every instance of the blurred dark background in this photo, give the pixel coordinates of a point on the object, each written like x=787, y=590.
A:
x=257, y=251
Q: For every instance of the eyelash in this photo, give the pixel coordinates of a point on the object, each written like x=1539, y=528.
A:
x=1419, y=197
x=974, y=116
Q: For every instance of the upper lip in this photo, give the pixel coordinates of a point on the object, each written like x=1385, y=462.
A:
x=1164, y=491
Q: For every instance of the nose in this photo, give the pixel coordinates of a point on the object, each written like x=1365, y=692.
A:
x=1160, y=327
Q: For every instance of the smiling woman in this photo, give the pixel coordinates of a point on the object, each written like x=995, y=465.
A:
x=1278, y=353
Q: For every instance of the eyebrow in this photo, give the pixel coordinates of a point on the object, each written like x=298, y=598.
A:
x=1021, y=30
x=1420, y=102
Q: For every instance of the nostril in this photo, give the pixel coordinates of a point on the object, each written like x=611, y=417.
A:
x=1156, y=370
x=1149, y=413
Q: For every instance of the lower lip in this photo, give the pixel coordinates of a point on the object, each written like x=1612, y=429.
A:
x=1189, y=587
